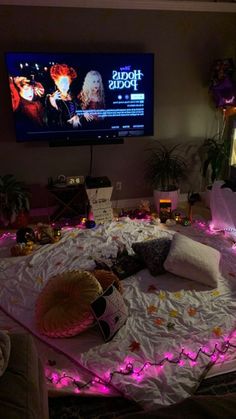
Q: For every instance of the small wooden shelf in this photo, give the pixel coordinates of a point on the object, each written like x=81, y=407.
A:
x=72, y=200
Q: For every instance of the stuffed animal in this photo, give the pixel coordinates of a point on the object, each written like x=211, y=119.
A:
x=45, y=234
x=25, y=234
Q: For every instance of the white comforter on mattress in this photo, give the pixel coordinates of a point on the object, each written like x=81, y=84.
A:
x=166, y=313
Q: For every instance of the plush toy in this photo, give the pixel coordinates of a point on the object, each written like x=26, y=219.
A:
x=25, y=234
x=22, y=249
x=45, y=234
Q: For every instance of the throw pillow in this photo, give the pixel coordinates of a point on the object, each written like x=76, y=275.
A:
x=127, y=265
x=107, y=278
x=63, y=306
x=110, y=312
x=153, y=253
x=193, y=260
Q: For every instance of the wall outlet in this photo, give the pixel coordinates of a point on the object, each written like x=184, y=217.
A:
x=118, y=186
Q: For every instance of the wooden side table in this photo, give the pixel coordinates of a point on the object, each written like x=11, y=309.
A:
x=72, y=200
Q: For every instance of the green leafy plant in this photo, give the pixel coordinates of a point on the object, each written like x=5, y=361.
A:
x=216, y=152
x=14, y=198
x=166, y=167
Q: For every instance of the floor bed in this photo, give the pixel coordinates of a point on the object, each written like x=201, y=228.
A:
x=166, y=314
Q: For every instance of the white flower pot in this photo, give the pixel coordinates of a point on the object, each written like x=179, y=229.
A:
x=172, y=195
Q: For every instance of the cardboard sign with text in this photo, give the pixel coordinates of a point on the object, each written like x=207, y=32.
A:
x=100, y=202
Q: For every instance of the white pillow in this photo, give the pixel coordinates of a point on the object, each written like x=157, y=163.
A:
x=193, y=260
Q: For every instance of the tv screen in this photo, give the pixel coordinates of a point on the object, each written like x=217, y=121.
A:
x=81, y=98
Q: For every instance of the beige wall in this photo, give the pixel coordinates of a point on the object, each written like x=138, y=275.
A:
x=185, y=44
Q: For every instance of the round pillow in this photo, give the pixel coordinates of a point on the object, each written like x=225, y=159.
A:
x=106, y=278
x=63, y=306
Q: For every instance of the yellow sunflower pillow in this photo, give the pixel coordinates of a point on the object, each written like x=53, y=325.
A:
x=63, y=306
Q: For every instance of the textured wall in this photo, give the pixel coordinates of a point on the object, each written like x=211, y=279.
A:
x=184, y=44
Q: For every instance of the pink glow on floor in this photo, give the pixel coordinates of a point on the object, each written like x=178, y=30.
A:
x=8, y=235
x=181, y=363
x=192, y=363
x=169, y=355
x=130, y=368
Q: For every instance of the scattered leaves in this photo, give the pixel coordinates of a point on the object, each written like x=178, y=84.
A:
x=174, y=313
x=134, y=346
x=217, y=331
x=159, y=321
x=151, y=309
x=162, y=295
x=39, y=280
x=178, y=295
x=215, y=293
x=192, y=311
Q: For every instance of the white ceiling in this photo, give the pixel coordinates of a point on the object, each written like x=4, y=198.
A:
x=184, y=5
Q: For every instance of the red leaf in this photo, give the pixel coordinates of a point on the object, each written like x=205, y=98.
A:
x=134, y=346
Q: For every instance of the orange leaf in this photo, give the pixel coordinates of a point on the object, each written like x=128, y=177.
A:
x=159, y=321
x=217, y=331
x=192, y=311
x=151, y=309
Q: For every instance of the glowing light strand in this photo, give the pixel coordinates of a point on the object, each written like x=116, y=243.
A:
x=129, y=368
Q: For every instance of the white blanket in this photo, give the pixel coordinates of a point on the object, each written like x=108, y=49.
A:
x=166, y=313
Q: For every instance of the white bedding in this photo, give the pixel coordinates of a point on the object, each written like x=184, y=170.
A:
x=166, y=313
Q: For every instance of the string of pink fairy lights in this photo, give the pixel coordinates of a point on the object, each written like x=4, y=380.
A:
x=129, y=369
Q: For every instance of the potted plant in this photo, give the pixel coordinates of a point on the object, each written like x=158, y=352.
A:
x=165, y=168
x=14, y=199
x=216, y=158
x=215, y=153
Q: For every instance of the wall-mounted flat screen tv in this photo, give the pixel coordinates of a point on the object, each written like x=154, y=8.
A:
x=81, y=98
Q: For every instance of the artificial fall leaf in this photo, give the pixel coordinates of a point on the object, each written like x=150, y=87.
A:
x=162, y=295
x=215, y=293
x=159, y=321
x=39, y=280
x=178, y=294
x=151, y=309
x=217, y=331
x=152, y=288
x=192, y=311
x=232, y=274
x=134, y=346
x=58, y=263
x=73, y=235
x=174, y=313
